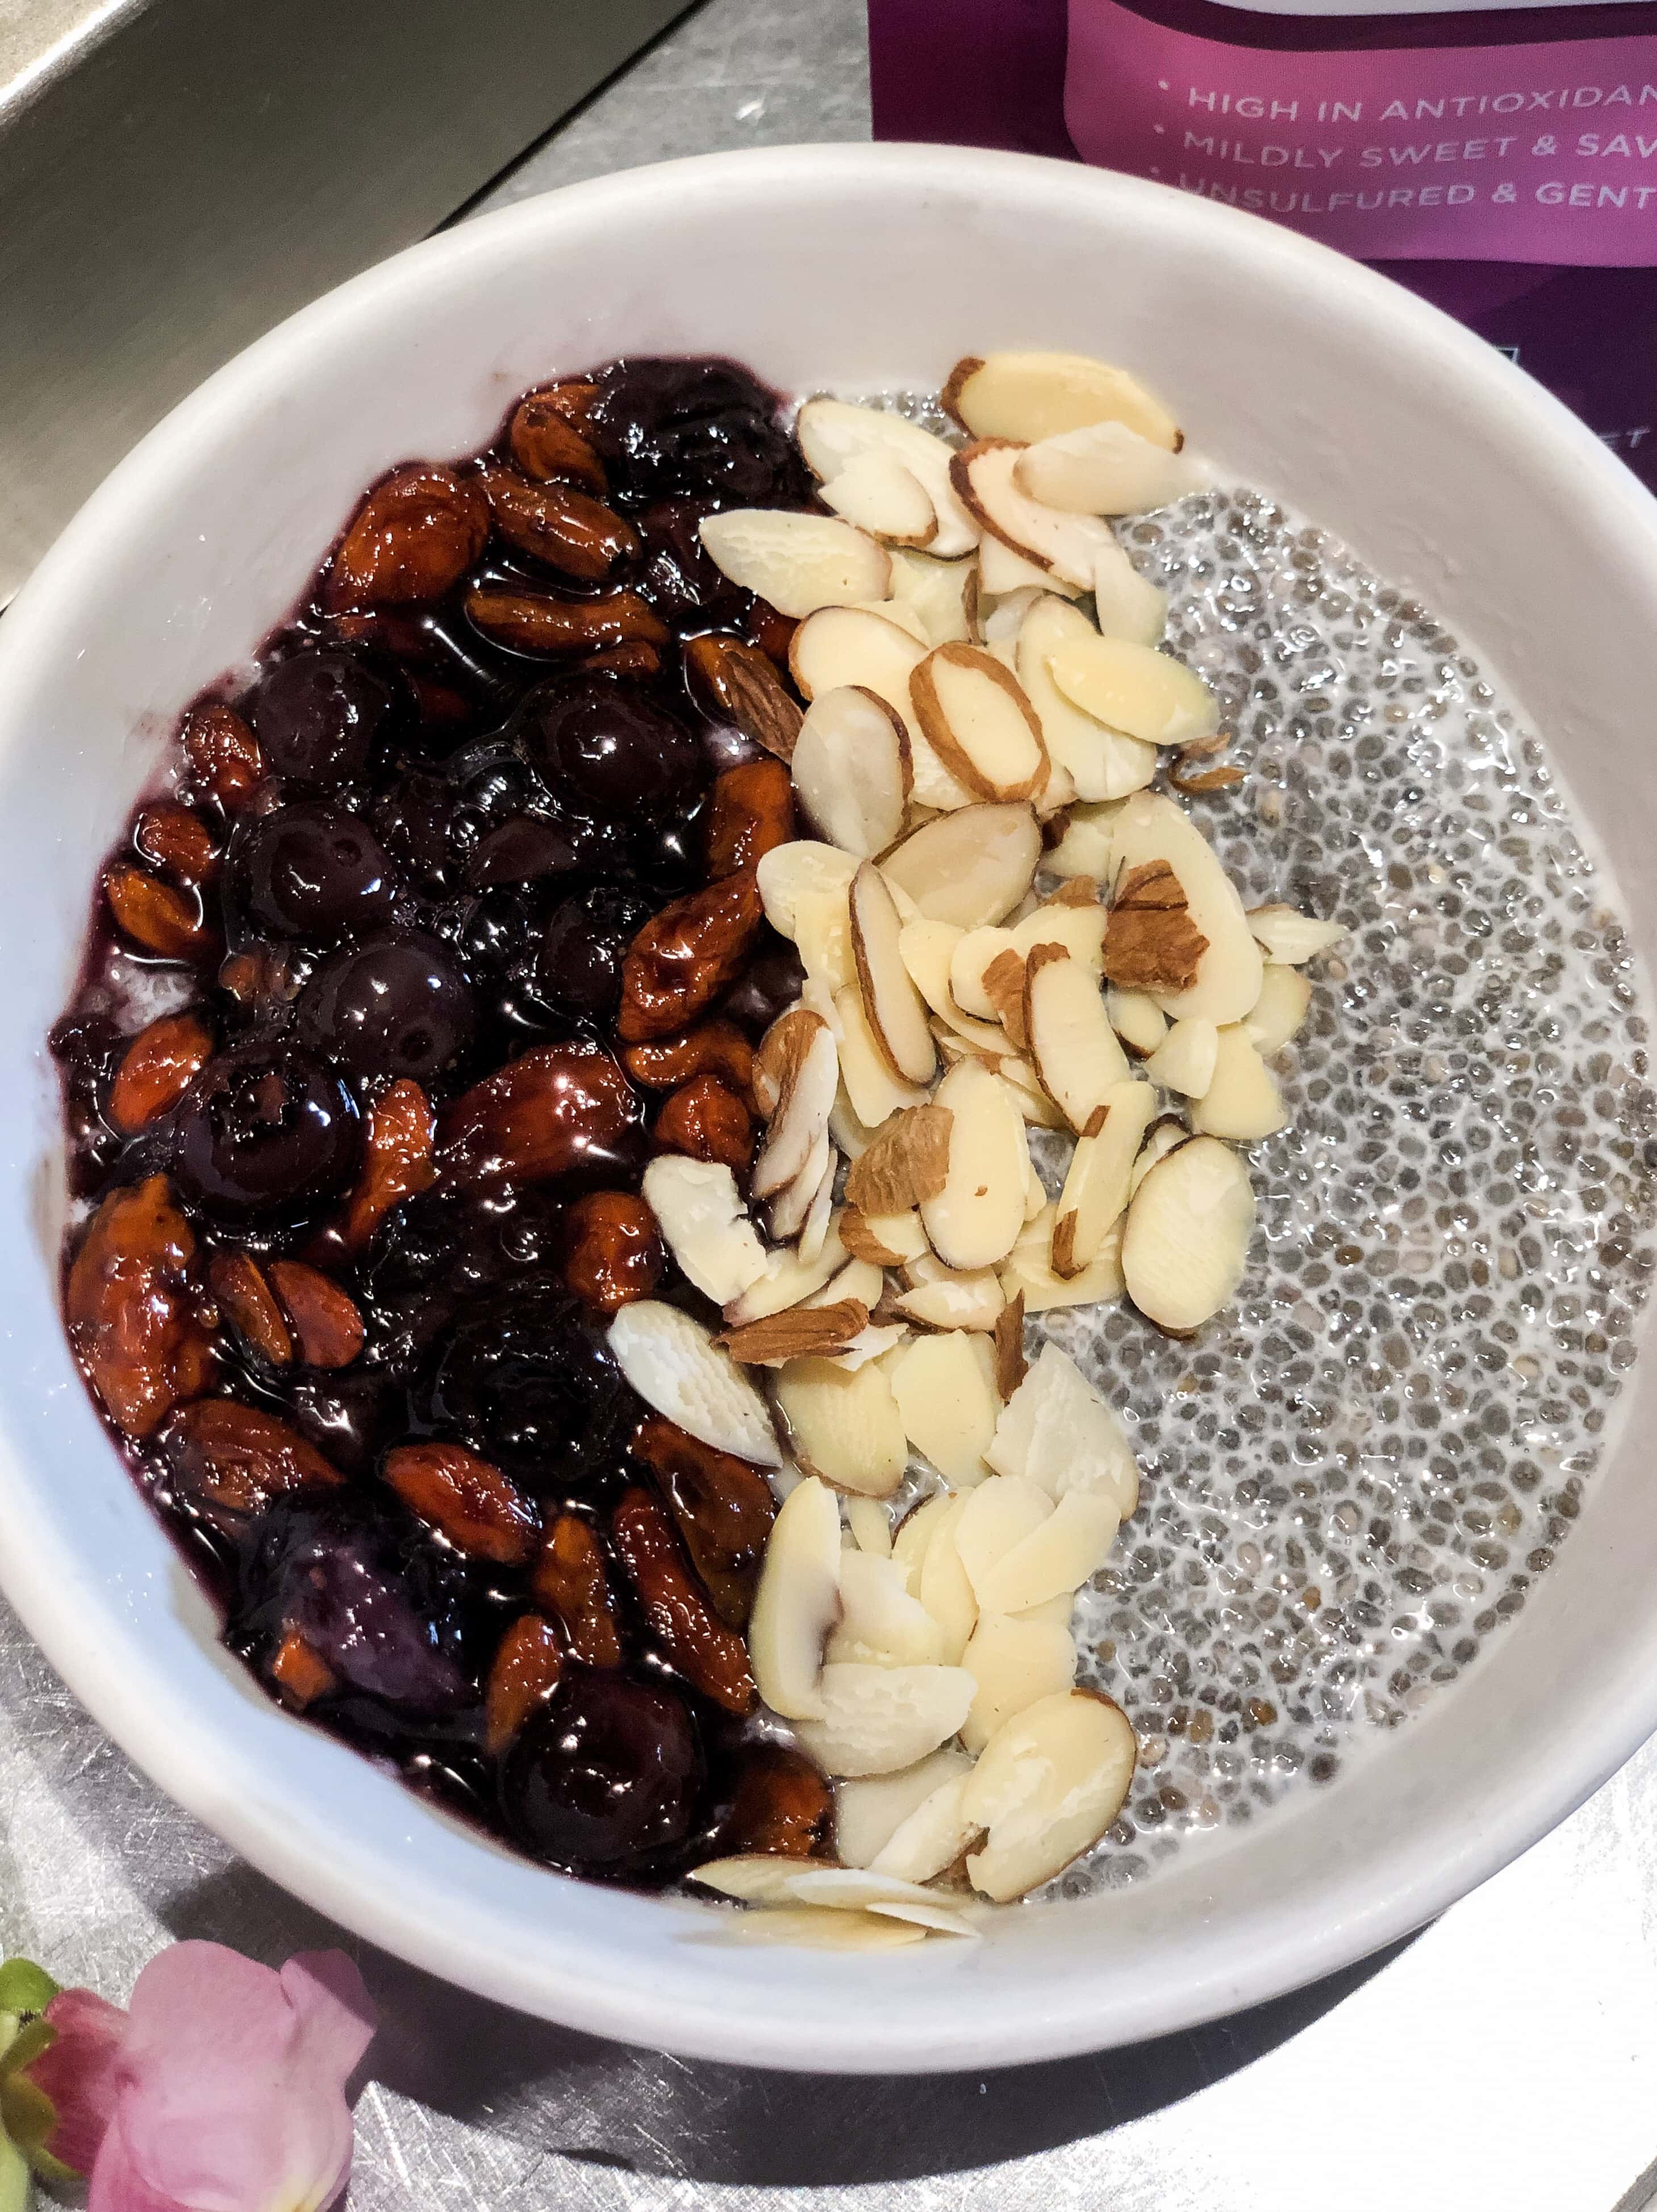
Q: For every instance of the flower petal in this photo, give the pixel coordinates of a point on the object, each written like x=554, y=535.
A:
x=77, y=2073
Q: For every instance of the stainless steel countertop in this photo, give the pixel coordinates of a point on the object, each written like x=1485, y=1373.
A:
x=1505, y=2060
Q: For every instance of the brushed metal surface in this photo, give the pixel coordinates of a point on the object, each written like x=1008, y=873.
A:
x=176, y=175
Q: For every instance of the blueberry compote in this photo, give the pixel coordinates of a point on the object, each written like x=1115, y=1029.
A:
x=430, y=936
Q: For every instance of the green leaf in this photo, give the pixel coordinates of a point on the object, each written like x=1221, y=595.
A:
x=13, y=2179
x=27, y=2116
x=25, y=1987
x=24, y=2048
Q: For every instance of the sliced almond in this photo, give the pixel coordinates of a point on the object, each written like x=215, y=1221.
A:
x=873, y=1343
x=979, y=722
x=1185, y=1060
x=886, y=1239
x=1054, y=1560
x=1284, y=1000
x=1028, y=1272
x=861, y=647
x=844, y=1425
x=820, y=1215
x=1010, y=1364
x=1073, y=921
x=1152, y=828
x=1046, y=1787
x=944, y=1297
x=881, y=1625
x=797, y=562
x=896, y=610
x=932, y=1834
x=944, y=1386
x=1186, y=1244
x=822, y=938
x=1015, y=1663
x=833, y=434
x=813, y=1927
x=857, y=1280
x=1031, y=396
x=1096, y=1185
x=879, y=1719
x=1083, y=852
x=789, y=1277
x=1242, y=1101
x=1031, y=1100
x=1005, y=617
x=1151, y=943
x=936, y=1919
x=1004, y=575
x=1126, y=605
x=971, y=955
x=755, y=1878
x=852, y=1889
x=802, y=1332
x=1071, y=1041
x=875, y=1093
x=941, y=1582
x=1104, y=468
x=700, y=1212
x=796, y=1602
x=1060, y=544
x=851, y=769
x=896, y=1011
x=871, y=1525
x=974, y=1221
x=1160, y=1140
x=997, y=1517
x=907, y=1162
x=913, y=1538
x=801, y=867
x=801, y=1058
x=869, y=1814
x=673, y=1363
x=942, y=595
x=1058, y=1431
x=969, y=867
x=1105, y=764
x=1149, y=694
x=881, y=496
x=1003, y=987
x=793, y=1203
x=849, y=1133
x=1137, y=1020
x=1290, y=937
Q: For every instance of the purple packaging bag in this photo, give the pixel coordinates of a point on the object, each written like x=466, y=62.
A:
x=1502, y=163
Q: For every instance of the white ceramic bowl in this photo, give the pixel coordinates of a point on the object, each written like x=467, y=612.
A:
x=850, y=267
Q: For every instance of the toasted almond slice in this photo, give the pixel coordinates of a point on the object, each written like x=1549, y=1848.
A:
x=1096, y=1185
x=896, y=1011
x=997, y=1517
x=1005, y=574
x=834, y=432
x=974, y=1221
x=844, y=1425
x=796, y=1602
x=1137, y=1020
x=1185, y=1060
x=755, y=1878
x=1058, y=1431
x=1186, y=1244
x=907, y=1162
x=673, y=1363
x=1284, y=1000
x=1053, y=1560
x=801, y=867
x=860, y=646
x=879, y=1719
x=851, y=1889
x=1016, y=1664
x=971, y=955
x=886, y=1239
x=1063, y=545
x=789, y=1278
x=1029, y=1272
x=851, y=769
x=811, y=1928
x=933, y=1833
x=944, y=1386
x=869, y=1813
x=700, y=1212
x=793, y=1203
x=801, y=1057
x=979, y=723
x=941, y=1298
x=1134, y=688
x=874, y=1091
x=1104, y=468
x=1031, y=396
x=1160, y=1140
x=881, y=496
x=941, y=1583
x=944, y=594
x=799, y=1333
x=881, y=1625
x=1046, y=1786
x=871, y=1525
x=1071, y=1041
x=1105, y=764
x=857, y=1278
x=798, y=562
x=969, y=867
x=1125, y=604
x=1073, y=921
x=1152, y=828
x=1242, y=1101
x=1290, y=937
x=1083, y=852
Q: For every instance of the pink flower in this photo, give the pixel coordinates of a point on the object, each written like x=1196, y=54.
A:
x=75, y=2073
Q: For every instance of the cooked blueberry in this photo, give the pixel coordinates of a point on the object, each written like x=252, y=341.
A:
x=606, y=1777
x=264, y=1129
x=678, y=577
x=605, y=751
x=522, y=849
x=315, y=872
x=772, y=983
x=576, y=969
x=396, y=1006
x=415, y=822
x=526, y=1378
x=318, y=715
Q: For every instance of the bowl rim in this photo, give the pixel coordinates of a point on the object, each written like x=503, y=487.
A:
x=1281, y=1951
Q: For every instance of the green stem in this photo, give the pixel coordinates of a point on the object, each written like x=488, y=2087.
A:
x=14, y=2178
